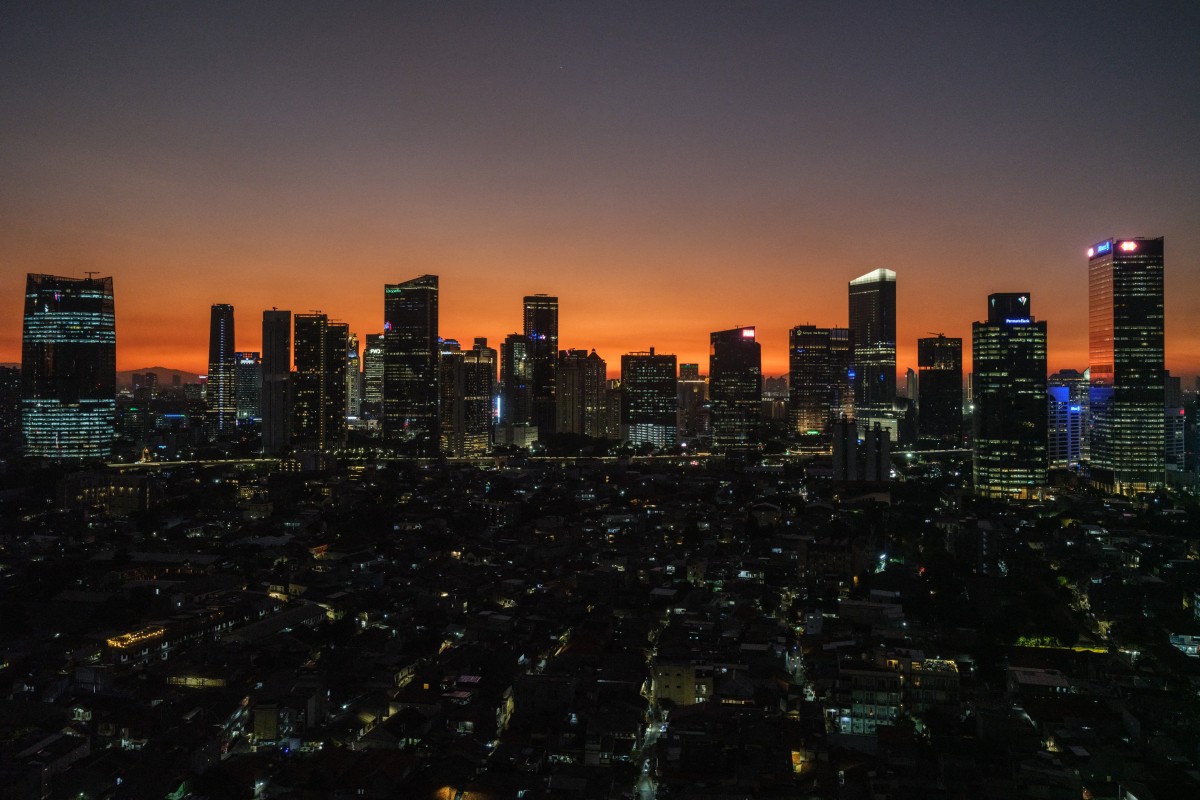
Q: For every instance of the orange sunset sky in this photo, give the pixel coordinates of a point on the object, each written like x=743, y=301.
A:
x=665, y=171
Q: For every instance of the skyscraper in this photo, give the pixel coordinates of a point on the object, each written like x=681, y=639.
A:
x=319, y=408
x=939, y=413
x=1125, y=341
x=735, y=386
x=649, y=399
x=541, y=330
x=410, y=359
x=816, y=375
x=579, y=392
x=516, y=376
x=873, y=327
x=372, y=367
x=68, y=367
x=693, y=402
x=353, y=378
x=467, y=384
x=221, y=394
x=248, y=386
x=1068, y=418
x=1009, y=360
x=275, y=405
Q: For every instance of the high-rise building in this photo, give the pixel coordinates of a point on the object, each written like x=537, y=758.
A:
x=319, y=407
x=814, y=376
x=275, y=403
x=693, y=402
x=248, y=386
x=372, y=382
x=10, y=407
x=1009, y=360
x=353, y=378
x=68, y=367
x=1068, y=420
x=541, y=330
x=735, y=386
x=468, y=380
x=1175, y=425
x=516, y=376
x=649, y=399
x=940, y=387
x=221, y=392
x=410, y=373
x=1125, y=341
x=579, y=392
x=873, y=327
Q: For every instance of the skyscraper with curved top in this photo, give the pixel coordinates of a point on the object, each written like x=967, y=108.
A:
x=68, y=367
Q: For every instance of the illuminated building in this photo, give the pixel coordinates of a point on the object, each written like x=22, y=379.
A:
x=275, y=404
x=221, y=392
x=319, y=408
x=467, y=383
x=1175, y=422
x=410, y=358
x=579, y=392
x=541, y=330
x=735, y=386
x=353, y=378
x=1125, y=342
x=68, y=367
x=819, y=389
x=1009, y=358
x=649, y=399
x=248, y=386
x=940, y=381
x=10, y=406
x=372, y=382
x=516, y=387
x=1067, y=420
x=873, y=327
x=693, y=402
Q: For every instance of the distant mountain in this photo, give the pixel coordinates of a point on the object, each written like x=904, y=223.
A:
x=165, y=375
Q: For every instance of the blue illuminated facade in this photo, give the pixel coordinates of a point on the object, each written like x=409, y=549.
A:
x=68, y=368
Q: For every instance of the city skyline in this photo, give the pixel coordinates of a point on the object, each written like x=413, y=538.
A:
x=664, y=174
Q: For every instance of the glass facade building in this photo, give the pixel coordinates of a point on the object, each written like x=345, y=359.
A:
x=649, y=399
x=939, y=388
x=220, y=396
x=1125, y=343
x=1009, y=358
x=410, y=364
x=735, y=386
x=873, y=326
x=68, y=367
x=541, y=331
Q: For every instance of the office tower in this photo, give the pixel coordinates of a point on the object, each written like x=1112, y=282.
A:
x=467, y=384
x=811, y=392
x=579, y=393
x=541, y=329
x=275, y=405
x=516, y=376
x=221, y=392
x=1125, y=341
x=410, y=357
x=873, y=326
x=912, y=389
x=693, y=402
x=319, y=405
x=1009, y=358
x=649, y=399
x=353, y=379
x=735, y=386
x=372, y=376
x=1175, y=422
x=68, y=367
x=248, y=386
x=1064, y=428
x=939, y=409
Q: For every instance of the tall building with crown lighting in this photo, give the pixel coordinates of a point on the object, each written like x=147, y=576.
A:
x=1125, y=344
x=68, y=368
x=541, y=331
x=220, y=396
x=735, y=386
x=1009, y=365
x=873, y=327
x=410, y=364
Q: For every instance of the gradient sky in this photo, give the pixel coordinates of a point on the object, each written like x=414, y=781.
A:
x=665, y=169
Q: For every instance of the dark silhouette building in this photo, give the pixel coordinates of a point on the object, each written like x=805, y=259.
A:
x=579, y=392
x=467, y=384
x=275, y=404
x=319, y=408
x=410, y=364
x=541, y=331
x=1009, y=359
x=735, y=386
x=68, y=367
x=939, y=382
x=649, y=399
x=1125, y=342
